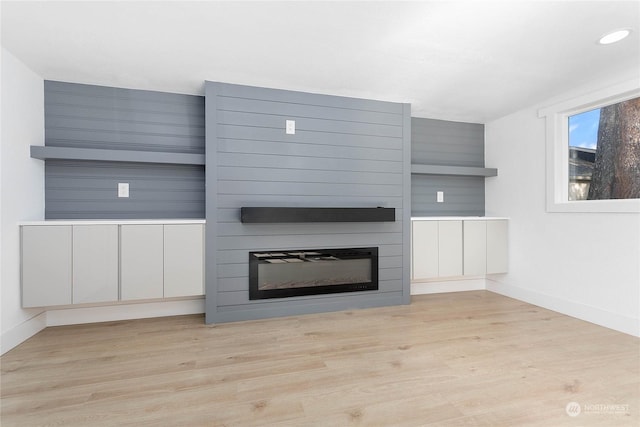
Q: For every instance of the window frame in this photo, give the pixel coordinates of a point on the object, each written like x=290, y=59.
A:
x=557, y=149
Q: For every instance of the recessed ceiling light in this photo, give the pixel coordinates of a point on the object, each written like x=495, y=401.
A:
x=614, y=36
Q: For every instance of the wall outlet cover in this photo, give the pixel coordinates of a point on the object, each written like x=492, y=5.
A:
x=290, y=127
x=123, y=189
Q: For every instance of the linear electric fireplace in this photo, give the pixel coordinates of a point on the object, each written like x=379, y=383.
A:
x=281, y=274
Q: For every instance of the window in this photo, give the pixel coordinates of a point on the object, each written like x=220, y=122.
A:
x=604, y=152
x=593, y=152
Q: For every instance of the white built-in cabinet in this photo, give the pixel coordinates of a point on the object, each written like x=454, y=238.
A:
x=497, y=246
x=46, y=265
x=95, y=263
x=141, y=259
x=99, y=263
x=450, y=248
x=425, y=251
x=458, y=247
x=183, y=260
x=474, y=242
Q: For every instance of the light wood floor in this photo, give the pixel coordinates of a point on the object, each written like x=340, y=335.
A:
x=463, y=359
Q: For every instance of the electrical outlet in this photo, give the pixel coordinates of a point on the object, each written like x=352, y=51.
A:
x=290, y=127
x=123, y=189
x=440, y=197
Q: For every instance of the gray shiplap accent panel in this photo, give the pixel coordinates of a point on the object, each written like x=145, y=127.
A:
x=304, y=188
x=88, y=190
x=346, y=153
x=308, y=137
x=235, y=229
x=184, y=120
x=439, y=142
x=449, y=157
x=125, y=126
x=307, y=306
x=406, y=205
x=86, y=116
x=308, y=124
x=291, y=110
x=463, y=196
x=97, y=137
x=260, y=174
x=121, y=98
x=302, y=241
x=306, y=162
x=121, y=141
x=305, y=99
x=288, y=148
x=214, y=253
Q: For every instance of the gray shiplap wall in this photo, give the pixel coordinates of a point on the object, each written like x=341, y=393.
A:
x=439, y=142
x=88, y=190
x=106, y=118
x=346, y=153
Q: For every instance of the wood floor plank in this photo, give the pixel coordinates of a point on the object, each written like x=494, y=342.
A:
x=460, y=359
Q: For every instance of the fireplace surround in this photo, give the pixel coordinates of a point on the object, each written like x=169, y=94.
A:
x=299, y=272
x=346, y=152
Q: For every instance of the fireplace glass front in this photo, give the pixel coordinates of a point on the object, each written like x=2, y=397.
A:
x=280, y=274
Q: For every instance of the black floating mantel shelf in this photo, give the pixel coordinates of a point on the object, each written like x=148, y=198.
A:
x=293, y=214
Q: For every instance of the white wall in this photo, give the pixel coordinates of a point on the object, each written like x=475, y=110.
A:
x=586, y=265
x=22, y=189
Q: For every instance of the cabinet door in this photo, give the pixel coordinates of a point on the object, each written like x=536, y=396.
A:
x=475, y=248
x=183, y=260
x=424, y=249
x=95, y=263
x=141, y=258
x=46, y=265
x=450, y=248
x=497, y=246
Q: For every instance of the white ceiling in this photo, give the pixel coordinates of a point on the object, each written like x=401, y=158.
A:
x=456, y=60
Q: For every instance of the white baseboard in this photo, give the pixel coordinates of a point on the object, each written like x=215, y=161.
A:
x=22, y=332
x=109, y=313
x=607, y=319
x=442, y=286
x=94, y=314
x=81, y=315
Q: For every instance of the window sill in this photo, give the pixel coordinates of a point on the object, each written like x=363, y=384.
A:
x=596, y=206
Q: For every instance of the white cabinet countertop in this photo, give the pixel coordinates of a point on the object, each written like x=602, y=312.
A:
x=112, y=221
x=456, y=218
